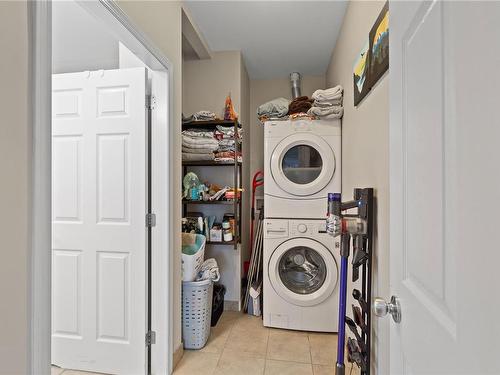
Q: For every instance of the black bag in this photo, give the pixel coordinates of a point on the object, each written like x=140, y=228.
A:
x=217, y=303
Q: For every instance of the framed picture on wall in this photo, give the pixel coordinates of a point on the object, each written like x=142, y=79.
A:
x=373, y=60
x=360, y=74
x=379, y=47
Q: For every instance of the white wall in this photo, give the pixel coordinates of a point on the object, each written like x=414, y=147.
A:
x=79, y=41
x=264, y=90
x=15, y=169
x=365, y=149
x=161, y=22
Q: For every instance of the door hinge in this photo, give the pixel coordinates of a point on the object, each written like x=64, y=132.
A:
x=150, y=338
x=150, y=102
x=150, y=220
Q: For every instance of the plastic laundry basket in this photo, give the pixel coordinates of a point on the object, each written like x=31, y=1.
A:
x=193, y=254
x=196, y=313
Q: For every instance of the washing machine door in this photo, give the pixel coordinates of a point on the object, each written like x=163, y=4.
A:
x=303, y=272
x=302, y=164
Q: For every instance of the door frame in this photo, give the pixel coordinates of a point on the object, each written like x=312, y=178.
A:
x=39, y=304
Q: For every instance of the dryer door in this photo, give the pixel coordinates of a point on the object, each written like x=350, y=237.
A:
x=303, y=271
x=302, y=164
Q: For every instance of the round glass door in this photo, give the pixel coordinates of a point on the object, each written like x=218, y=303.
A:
x=303, y=271
x=302, y=164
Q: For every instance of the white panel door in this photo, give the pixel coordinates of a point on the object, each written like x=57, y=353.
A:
x=444, y=184
x=99, y=235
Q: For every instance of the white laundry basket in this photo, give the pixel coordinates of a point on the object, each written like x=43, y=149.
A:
x=196, y=313
x=193, y=255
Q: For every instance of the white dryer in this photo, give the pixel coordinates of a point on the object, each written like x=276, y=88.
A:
x=300, y=270
x=302, y=164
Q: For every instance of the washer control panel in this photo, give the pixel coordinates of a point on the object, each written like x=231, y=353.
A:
x=309, y=228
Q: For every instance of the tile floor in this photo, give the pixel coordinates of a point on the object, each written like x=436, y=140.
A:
x=241, y=345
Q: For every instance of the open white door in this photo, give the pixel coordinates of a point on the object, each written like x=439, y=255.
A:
x=444, y=187
x=99, y=234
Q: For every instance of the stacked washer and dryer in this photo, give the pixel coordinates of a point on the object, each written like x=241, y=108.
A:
x=302, y=164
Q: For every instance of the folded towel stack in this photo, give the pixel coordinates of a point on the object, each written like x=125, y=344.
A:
x=204, y=144
x=274, y=109
x=327, y=103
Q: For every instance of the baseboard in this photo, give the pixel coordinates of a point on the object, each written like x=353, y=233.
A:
x=231, y=305
x=178, y=353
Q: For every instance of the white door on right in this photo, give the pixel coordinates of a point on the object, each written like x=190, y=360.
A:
x=445, y=186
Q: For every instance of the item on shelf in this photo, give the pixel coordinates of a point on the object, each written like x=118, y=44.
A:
x=300, y=105
x=209, y=270
x=216, y=233
x=228, y=235
x=327, y=103
x=226, y=224
x=231, y=194
x=191, y=183
x=200, y=116
x=229, y=217
x=229, y=112
x=228, y=156
x=276, y=108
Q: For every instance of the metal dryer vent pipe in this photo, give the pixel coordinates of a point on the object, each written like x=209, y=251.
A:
x=295, y=80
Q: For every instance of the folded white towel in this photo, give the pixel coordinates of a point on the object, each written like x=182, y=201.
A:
x=199, y=150
x=209, y=270
x=326, y=113
x=186, y=156
x=194, y=142
x=331, y=94
x=198, y=133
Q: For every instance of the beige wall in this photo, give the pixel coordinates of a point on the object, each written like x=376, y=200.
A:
x=15, y=169
x=206, y=83
x=263, y=90
x=245, y=116
x=161, y=22
x=365, y=148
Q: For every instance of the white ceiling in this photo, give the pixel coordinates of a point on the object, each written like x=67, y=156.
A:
x=275, y=37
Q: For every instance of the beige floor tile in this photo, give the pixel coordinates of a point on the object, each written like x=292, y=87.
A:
x=54, y=370
x=324, y=370
x=249, y=323
x=248, y=341
x=75, y=372
x=232, y=363
x=323, y=348
x=288, y=346
x=218, y=337
x=195, y=362
x=287, y=368
x=230, y=316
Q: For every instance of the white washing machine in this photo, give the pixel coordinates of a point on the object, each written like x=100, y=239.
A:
x=301, y=266
x=302, y=164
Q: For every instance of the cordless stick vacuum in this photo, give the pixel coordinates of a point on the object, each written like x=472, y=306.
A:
x=345, y=227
